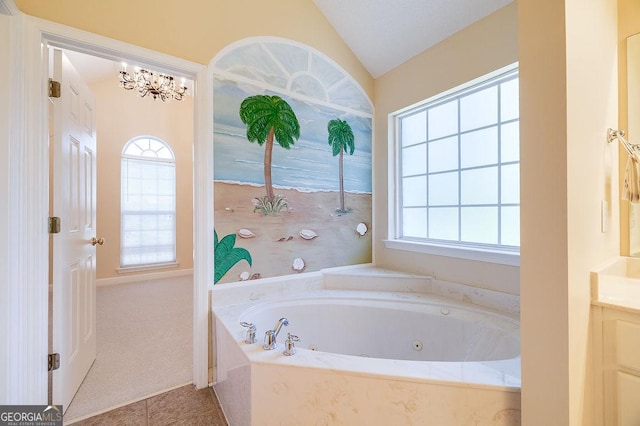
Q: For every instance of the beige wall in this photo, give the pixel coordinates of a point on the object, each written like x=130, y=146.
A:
x=197, y=30
x=475, y=51
x=628, y=25
x=592, y=107
x=568, y=88
x=568, y=99
x=543, y=221
x=121, y=116
x=568, y=64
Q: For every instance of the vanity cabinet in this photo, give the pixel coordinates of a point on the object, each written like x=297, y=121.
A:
x=620, y=353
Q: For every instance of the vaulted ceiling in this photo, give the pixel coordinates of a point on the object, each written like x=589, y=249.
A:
x=385, y=33
x=382, y=33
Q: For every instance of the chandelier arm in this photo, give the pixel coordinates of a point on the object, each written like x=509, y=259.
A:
x=159, y=85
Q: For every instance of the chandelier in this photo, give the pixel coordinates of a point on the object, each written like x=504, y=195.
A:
x=161, y=86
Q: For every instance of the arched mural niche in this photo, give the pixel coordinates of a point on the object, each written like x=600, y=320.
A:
x=292, y=162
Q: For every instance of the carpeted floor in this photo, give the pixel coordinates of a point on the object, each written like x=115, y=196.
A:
x=144, y=344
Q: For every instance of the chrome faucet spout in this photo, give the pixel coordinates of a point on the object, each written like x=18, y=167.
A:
x=279, y=324
x=270, y=335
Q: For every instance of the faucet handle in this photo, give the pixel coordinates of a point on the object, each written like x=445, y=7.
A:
x=251, y=332
x=289, y=345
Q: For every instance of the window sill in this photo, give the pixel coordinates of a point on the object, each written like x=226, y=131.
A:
x=144, y=268
x=467, y=253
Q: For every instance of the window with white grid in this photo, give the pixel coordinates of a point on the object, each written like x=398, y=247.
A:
x=148, y=203
x=458, y=168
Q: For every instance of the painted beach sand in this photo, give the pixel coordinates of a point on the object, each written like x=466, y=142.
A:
x=277, y=240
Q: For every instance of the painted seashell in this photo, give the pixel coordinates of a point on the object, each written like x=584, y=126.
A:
x=308, y=234
x=245, y=233
x=244, y=276
x=298, y=264
x=361, y=228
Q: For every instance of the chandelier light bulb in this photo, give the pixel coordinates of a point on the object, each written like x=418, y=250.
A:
x=158, y=85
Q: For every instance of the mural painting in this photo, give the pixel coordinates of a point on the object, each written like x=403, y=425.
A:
x=292, y=162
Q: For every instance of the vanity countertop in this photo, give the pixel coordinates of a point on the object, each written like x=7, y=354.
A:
x=618, y=286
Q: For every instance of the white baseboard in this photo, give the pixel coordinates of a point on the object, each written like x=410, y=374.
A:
x=143, y=277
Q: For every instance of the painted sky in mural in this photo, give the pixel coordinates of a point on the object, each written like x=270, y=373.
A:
x=308, y=165
x=308, y=228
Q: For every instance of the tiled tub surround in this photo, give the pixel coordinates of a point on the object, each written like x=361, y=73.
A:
x=316, y=387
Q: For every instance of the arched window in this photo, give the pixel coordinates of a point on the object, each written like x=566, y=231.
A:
x=148, y=203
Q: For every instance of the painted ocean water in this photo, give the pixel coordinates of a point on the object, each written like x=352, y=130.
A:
x=308, y=165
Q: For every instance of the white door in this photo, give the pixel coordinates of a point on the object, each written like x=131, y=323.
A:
x=74, y=248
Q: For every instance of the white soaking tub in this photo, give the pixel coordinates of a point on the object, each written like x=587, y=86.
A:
x=370, y=358
x=375, y=325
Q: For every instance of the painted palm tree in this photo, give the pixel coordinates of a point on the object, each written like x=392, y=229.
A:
x=268, y=118
x=225, y=255
x=341, y=139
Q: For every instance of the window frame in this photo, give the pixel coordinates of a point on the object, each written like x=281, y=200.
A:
x=507, y=255
x=150, y=159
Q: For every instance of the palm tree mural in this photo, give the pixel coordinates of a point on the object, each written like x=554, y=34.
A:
x=341, y=139
x=225, y=255
x=268, y=118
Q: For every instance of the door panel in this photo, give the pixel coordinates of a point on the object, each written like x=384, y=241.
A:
x=74, y=257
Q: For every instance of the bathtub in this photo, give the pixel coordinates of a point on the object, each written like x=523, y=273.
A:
x=395, y=327
x=368, y=357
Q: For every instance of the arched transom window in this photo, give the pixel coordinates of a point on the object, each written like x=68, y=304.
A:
x=148, y=203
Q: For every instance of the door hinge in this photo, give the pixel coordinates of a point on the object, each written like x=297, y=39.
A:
x=54, y=361
x=54, y=88
x=54, y=225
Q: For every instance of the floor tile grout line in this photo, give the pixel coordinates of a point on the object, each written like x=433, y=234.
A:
x=213, y=408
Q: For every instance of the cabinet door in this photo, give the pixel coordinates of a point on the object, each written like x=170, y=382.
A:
x=628, y=345
x=621, y=367
x=628, y=391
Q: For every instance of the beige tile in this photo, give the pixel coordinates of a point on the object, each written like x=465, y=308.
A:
x=133, y=414
x=220, y=419
x=184, y=406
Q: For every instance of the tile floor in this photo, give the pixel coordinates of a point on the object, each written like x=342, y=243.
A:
x=182, y=406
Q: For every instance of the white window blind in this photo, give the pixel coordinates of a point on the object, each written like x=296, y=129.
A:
x=148, y=203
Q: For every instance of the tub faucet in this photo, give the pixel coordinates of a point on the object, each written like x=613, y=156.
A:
x=251, y=332
x=270, y=335
x=289, y=345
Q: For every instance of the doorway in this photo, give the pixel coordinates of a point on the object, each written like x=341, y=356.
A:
x=117, y=109
x=29, y=259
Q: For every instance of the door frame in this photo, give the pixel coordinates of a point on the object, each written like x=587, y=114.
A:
x=29, y=216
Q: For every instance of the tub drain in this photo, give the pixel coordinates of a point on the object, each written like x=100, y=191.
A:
x=417, y=345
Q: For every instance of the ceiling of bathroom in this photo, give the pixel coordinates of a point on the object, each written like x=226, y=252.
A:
x=382, y=33
x=92, y=68
x=385, y=33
